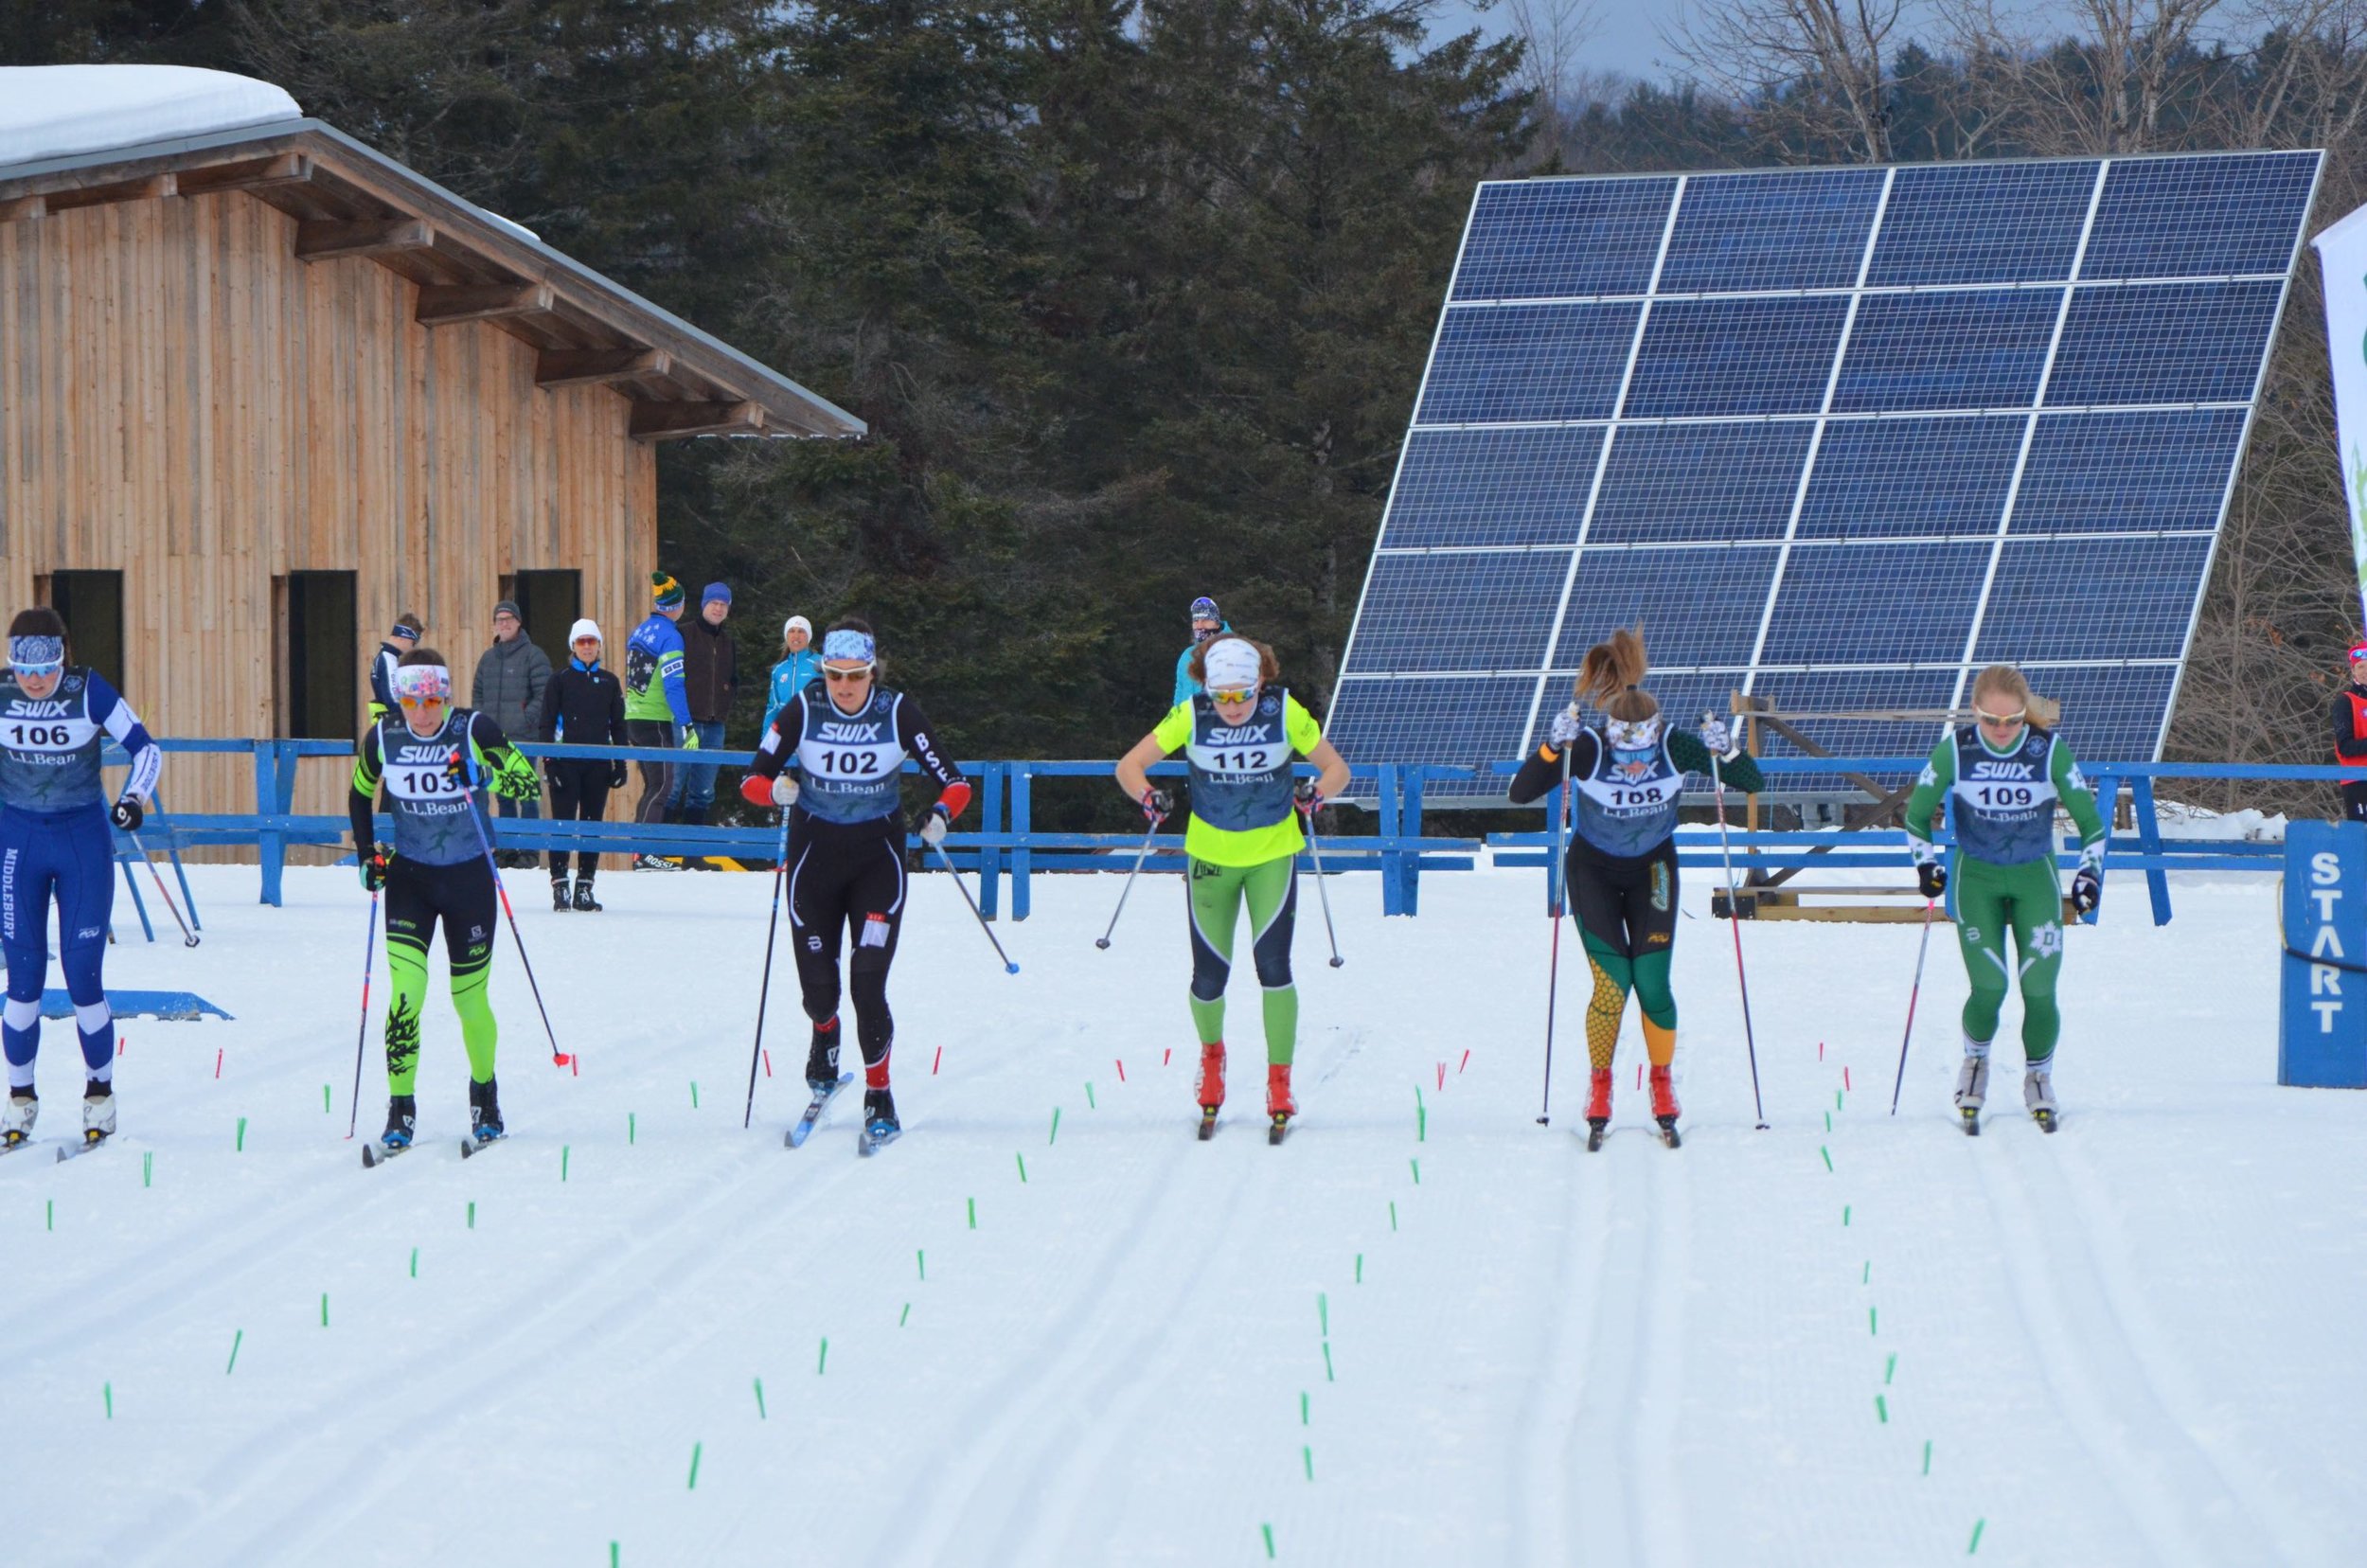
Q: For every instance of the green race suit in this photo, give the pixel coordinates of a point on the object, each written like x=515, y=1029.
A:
x=2001, y=874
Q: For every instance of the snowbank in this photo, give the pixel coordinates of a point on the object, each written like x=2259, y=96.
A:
x=57, y=111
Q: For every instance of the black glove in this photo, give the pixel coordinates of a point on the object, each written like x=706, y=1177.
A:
x=127, y=814
x=1932, y=877
x=2087, y=890
x=1158, y=805
x=1307, y=796
x=375, y=861
x=616, y=774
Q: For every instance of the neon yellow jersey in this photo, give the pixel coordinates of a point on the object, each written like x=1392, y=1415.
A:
x=1241, y=809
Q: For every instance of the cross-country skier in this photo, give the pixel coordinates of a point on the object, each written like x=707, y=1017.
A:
x=2350, y=735
x=1627, y=775
x=2006, y=771
x=657, y=705
x=848, y=736
x=54, y=718
x=1241, y=736
x=1207, y=624
x=434, y=869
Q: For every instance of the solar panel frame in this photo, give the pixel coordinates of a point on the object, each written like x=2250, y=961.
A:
x=1659, y=407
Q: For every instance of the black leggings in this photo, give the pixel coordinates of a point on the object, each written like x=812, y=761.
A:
x=850, y=884
x=657, y=779
x=1627, y=904
x=579, y=793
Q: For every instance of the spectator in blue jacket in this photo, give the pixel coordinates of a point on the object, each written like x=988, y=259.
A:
x=799, y=664
x=1206, y=623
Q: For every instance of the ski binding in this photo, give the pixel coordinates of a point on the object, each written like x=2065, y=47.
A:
x=822, y=1097
x=475, y=1142
x=1280, y=1129
x=1207, y=1122
x=92, y=1138
x=377, y=1151
x=876, y=1136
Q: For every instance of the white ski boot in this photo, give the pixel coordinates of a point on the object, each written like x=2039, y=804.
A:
x=1972, y=1088
x=98, y=1111
x=2037, y=1093
x=17, y=1118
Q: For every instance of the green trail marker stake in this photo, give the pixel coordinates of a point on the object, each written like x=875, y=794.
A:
x=1926, y=1456
x=1055, y=1123
x=1309, y=1454
x=760, y=1415
x=148, y=1165
x=324, y=1308
x=1837, y=1099
x=109, y=1389
x=631, y=1132
x=1360, y=1268
x=562, y=1162
x=1090, y=1104
x=1303, y=1409
x=1872, y=1323
x=242, y=1148
x=473, y=1214
x=1828, y=1155
x=51, y=1222
x=1422, y=1126
x=973, y=1214
x=1417, y=1173
x=612, y=1555
x=1976, y=1537
x=1022, y=1166
x=324, y=1099
x=823, y=1361
x=1882, y=1409
x=1844, y=1214
x=907, y=1315
x=1828, y=1121
x=415, y=1262
x=694, y=1465
x=1867, y=1278
x=236, y=1339
x=1393, y=1214
x=1268, y=1529
x=694, y=1093
x=1890, y=1368
x=1323, y=1313
x=1328, y=1374
x=920, y=1256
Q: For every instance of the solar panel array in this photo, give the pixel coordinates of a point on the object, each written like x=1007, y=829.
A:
x=1837, y=438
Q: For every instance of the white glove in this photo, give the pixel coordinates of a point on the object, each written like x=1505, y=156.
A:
x=784, y=789
x=933, y=827
x=1717, y=737
x=1565, y=727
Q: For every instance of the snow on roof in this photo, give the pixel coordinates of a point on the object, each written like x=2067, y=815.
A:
x=58, y=111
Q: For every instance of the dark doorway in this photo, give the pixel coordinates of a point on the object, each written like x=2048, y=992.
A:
x=321, y=692
x=549, y=603
x=91, y=605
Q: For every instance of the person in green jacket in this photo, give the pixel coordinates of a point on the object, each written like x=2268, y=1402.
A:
x=2006, y=774
x=1241, y=734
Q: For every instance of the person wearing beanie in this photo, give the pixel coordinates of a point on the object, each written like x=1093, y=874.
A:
x=1206, y=623
x=585, y=707
x=512, y=676
x=409, y=626
x=1242, y=736
x=657, y=707
x=798, y=667
x=2350, y=735
x=710, y=681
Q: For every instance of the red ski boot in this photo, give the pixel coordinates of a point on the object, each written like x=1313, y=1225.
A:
x=1280, y=1105
x=1665, y=1106
x=1210, y=1086
x=1597, y=1107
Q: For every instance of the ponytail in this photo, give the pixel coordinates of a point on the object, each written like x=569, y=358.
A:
x=1611, y=676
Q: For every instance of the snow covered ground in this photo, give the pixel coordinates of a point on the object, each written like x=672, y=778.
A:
x=1424, y=1331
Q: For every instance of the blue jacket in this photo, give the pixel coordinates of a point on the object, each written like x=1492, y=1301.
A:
x=1185, y=688
x=790, y=677
x=653, y=683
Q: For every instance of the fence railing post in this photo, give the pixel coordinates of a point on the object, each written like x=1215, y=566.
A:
x=1391, y=859
x=1022, y=822
x=1410, y=823
x=271, y=847
x=991, y=857
x=2149, y=840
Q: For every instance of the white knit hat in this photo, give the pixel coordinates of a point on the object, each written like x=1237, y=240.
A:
x=583, y=629
x=1232, y=665
x=796, y=623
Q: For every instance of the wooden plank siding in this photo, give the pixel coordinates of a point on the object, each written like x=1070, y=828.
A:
x=183, y=400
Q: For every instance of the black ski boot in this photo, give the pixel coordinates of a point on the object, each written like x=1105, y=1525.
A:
x=879, y=1125
x=821, y=1057
x=485, y=1111
x=559, y=895
x=584, y=901
x=402, y=1119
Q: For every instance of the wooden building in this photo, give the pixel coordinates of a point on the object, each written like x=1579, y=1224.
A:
x=264, y=389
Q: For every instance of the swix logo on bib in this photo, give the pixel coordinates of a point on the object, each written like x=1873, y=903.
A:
x=2004, y=805
x=1241, y=773
x=852, y=762
x=1627, y=801
x=430, y=806
x=48, y=746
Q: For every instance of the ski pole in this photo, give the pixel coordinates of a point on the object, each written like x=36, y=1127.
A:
x=1315, y=852
x=559, y=1058
x=1008, y=968
x=1558, y=883
x=362, y=1035
x=764, y=991
x=1921, y=948
x=189, y=937
x=1103, y=940
x=1734, y=914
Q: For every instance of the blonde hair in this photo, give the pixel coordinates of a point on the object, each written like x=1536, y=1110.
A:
x=1611, y=675
x=2003, y=680
x=1269, y=666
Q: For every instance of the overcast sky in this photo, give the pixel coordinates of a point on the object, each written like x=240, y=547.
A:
x=1626, y=40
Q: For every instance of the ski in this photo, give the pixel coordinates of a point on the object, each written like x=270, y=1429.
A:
x=1972, y=1121
x=872, y=1139
x=1595, y=1132
x=1279, y=1130
x=377, y=1151
x=822, y=1097
x=1207, y=1123
x=1668, y=1132
x=2045, y=1119
x=475, y=1142
x=90, y=1141
x=12, y=1147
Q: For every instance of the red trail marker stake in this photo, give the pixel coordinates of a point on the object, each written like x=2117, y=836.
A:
x=1121, y=1072
x=935, y=1060
x=216, y=1061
